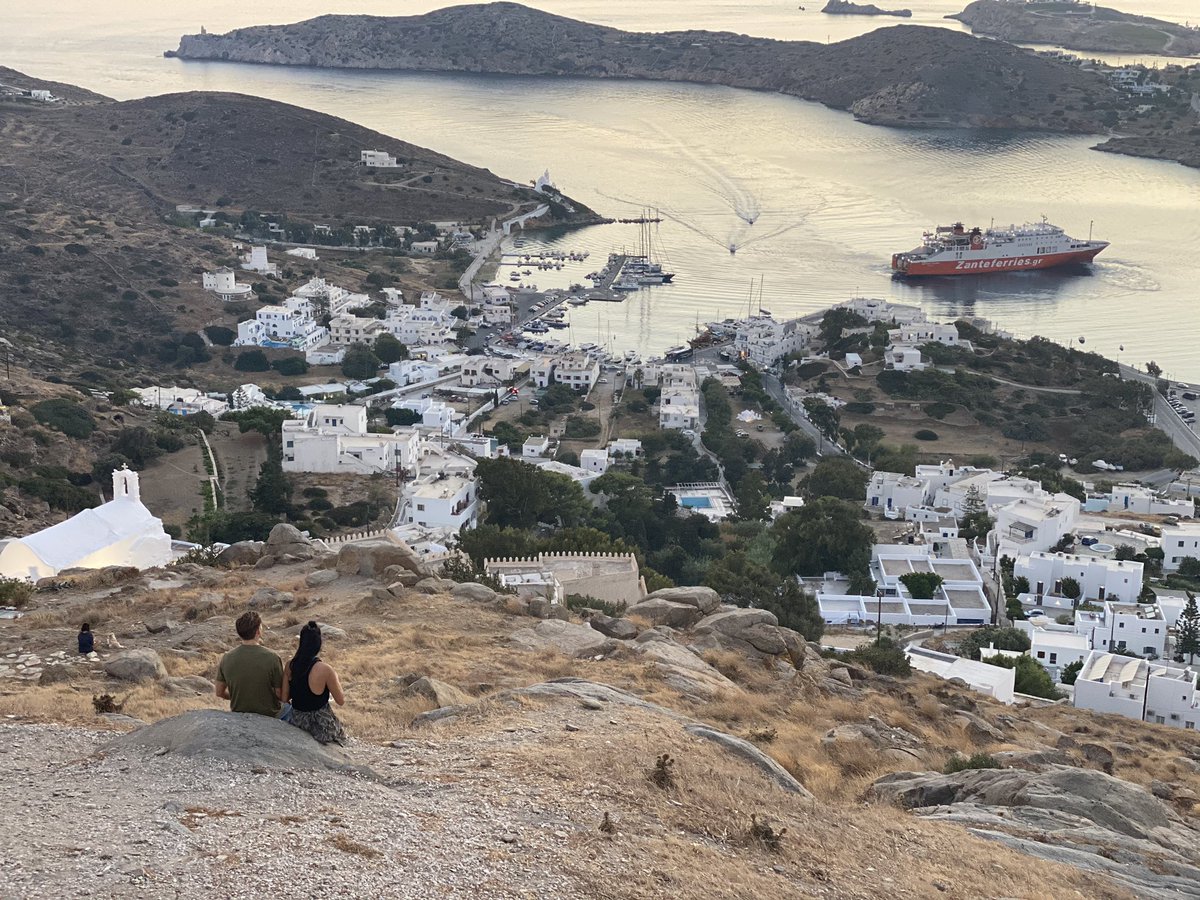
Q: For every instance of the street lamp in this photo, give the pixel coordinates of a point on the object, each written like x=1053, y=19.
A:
x=878, y=614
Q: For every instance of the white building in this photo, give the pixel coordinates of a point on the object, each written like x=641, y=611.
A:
x=225, y=285
x=1137, y=689
x=1055, y=646
x=256, y=261
x=1137, y=627
x=578, y=371
x=488, y=371
x=609, y=577
x=627, y=447
x=180, y=401
x=1178, y=543
x=888, y=491
x=412, y=371
x=992, y=681
x=764, y=341
x=335, y=300
x=535, y=446
x=429, y=325
x=303, y=253
x=1032, y=523
x=347, y=330
x=1139, y=500
x=334, y=439
x=542, y=371
x=442, y=501
x=378, y=159
x=1099, y=578
x=594, y=460
x=291, y=325
x=926, y=333
x=425, y=248
x=435, y=414
x=679, y=397
x=121, y=532
x=903, y=359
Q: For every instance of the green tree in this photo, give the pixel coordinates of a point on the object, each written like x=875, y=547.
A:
x=837, y=476
x=272, y=493
x=267, y=422
x=921, y=585
x=825, y=535
x=1000, y=638
x=137, y=445
x=520, y=495
x=389, y=349
x=1069, y=587
x=797, y=448
x=1031, y=678
x=1189, y=567
x=401, y=417
x=1070, y=672
x=360, y=363
x=753, y=501
x=976, y=522
x=1187, y=631
x=290, y=365
x=823, y=417
x=252, y=361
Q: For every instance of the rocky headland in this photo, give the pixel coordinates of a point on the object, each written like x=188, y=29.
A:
x=846, y=8
x=1079, y=26
x=904, y=75
x=503, y=747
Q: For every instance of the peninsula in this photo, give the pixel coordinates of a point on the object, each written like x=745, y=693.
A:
x=905, y=75
x=1079, y=26
x=846, y=8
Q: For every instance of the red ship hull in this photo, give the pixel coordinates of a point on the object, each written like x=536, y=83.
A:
x=916, y=267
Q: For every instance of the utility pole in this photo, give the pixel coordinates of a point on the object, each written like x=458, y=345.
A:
x=878, y=615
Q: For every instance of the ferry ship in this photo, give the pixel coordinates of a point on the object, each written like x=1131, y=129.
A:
x=953, y=250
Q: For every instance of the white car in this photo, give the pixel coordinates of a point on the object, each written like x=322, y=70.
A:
x=688, y=433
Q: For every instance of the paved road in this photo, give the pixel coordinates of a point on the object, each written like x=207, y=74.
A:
x=1165, y=418
x=775, y=389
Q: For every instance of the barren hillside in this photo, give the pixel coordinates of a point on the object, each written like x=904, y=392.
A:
x=530, y=760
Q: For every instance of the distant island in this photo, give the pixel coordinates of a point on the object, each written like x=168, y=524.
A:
x=904, y=75
x=846, y=8
x=1079, y=26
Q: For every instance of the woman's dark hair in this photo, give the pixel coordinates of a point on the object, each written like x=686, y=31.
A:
x=85, y=627
x=310, y=647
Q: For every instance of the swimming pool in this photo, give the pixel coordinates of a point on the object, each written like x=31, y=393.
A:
x=696, y=502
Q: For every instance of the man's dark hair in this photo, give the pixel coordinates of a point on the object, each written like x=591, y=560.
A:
x=85, y=627
x=248, y=624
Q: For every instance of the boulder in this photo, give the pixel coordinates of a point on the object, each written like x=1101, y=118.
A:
x=189, y=684
x=269, y=598
x=160, y=625
x=1098, y=755
x=265, y=562
x=657, y=633
x=751, y=632
x=841, y=675
x=59, y=674
x=287, y=543
x=476, y=593
x=331, y=632
x=393, y=574
x=684, y=671
x=565, y=637
x=434, y=585
x=88, y=579
x=896, y=743
x=620, y=629
x=658, y=611
x=979, y=729
x=136, y=665
x=320, y=578
x=704, y=599
x=242, y=739
x=371, y=558
x=243, y=553
x=443, y=695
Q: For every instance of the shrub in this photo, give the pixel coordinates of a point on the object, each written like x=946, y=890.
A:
x=1031, y=676
x=938, y=410
x=252, y=361
x=15, y=592
x=583, y=601
x=924, y=434
x=66, y=416
x=1070, y=672
x=1000, y=638
x=220, y=335
x=859, y=408
x=959, y=763
x=290, y=365
x=883, y=656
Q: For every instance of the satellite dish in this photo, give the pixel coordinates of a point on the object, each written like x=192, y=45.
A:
x=1081, y=340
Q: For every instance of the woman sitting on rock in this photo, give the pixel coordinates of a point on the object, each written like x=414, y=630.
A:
x=308, y=683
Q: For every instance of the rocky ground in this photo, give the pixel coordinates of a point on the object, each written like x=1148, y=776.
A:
x=504, y=748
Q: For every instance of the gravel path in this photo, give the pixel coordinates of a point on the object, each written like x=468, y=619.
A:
x=115, y=824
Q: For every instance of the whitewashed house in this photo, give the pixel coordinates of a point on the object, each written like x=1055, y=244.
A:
x=378, y=159
x=1100, y=578
x=256, y=261
x=1180, y=542
x=578, y=371
x=535, y=446
x=1138, y=689
x=334, y=439
x=891, y=491
x=903, y=359
x=594, y=460
x=291, y=325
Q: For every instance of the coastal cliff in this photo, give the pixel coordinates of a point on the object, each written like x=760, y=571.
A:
x=904, y=75
x=1079, y=26
x=846, y=8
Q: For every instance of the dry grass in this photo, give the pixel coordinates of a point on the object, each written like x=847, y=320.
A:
x=348, y=845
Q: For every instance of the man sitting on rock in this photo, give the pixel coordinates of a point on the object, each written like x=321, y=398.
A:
x=250, y=676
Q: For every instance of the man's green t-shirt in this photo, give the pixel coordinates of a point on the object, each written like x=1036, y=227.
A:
x=253, y=674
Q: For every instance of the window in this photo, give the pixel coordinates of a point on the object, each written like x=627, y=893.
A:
x=1041, y=654
x=420, y=507
x=1189, y=724
x=1053, y=658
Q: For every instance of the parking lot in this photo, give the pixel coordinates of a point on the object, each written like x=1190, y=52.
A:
x=1184, y=400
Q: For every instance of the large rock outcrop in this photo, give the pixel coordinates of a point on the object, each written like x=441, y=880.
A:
x=565, y=637
x=371, y=558
x=240, y=738
x=1078, y=816
x=136, y=665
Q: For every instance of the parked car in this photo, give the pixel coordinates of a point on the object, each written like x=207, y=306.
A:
x=601, y=381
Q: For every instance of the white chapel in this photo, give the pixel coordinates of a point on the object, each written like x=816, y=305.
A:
x=121, y=532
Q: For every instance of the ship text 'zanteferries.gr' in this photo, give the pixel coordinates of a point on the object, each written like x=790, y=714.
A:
x=953, y=250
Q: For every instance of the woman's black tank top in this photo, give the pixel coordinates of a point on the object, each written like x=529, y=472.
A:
x=303, y=698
